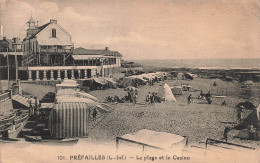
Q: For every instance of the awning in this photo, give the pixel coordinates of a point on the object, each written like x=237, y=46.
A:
x=73, y=93
x=54, y=41
x=21, y=99
x=100, y=81
x=72, y=98
x=110, y=80
x=86, y=57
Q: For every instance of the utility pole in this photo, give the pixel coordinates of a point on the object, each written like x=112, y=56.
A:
x=102, y=65
x=16, y=68
x=8, y=77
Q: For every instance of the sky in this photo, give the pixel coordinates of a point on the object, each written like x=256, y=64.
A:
x=148, y=29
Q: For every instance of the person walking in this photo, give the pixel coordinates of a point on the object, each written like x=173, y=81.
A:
x=189, y=99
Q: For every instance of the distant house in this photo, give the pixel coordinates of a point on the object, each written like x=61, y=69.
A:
x=11, y=45
x=9, y=48
x=5, y=44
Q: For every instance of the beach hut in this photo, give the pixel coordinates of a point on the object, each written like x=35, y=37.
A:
x=147, y=139
x=69, y=119
x=166, y=93
x=177, y=90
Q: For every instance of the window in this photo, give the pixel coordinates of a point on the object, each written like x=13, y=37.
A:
x=53, y=33
x=43, y=47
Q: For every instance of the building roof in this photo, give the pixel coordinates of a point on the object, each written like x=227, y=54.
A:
x=38, y=30
x=86, y=57
x=31, y=20
x=7, y=40
x=83, y=51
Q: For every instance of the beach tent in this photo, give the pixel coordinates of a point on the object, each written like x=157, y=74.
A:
x=99, y=83
x=129, y=88
x=111, y=83
x=253, y=118
x=166, y=92
x=69, y=119
x=188, y=76
x=131, y=81
x=180, y=76
x=148, y=139
x=177, y=90
x=246, y=105
x=126, y=82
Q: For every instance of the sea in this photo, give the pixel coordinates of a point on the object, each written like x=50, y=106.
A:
x=244, y=63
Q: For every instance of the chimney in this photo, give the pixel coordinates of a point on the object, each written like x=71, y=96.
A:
x=37, y=24
x=106, y=49
x=52, y=21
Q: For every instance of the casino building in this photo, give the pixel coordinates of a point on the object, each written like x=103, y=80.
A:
x=49, y=54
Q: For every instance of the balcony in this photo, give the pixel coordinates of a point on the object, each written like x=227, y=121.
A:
x=56, y=51
x=11, y=50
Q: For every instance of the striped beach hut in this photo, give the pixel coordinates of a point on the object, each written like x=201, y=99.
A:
x=69, y=119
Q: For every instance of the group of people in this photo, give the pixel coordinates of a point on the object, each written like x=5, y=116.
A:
x=34, y=106
x=153, y=98
x=132, y=96
x=115, y=99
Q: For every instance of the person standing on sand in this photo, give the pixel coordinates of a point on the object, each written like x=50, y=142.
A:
x=224, y=103
x=152, y=98
x=148, y=98
x=94, y=114
x=189, y=99
x=225, y=134
x=239, y=115
x=134, y=98
x=36, y=107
